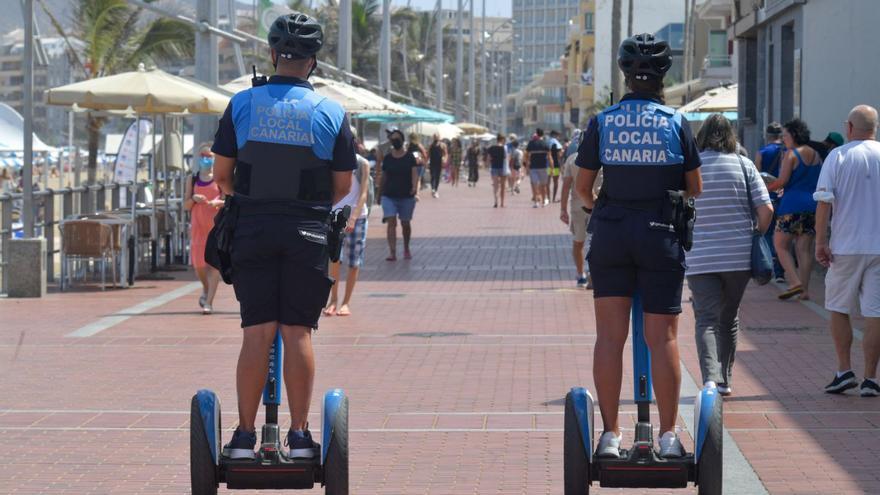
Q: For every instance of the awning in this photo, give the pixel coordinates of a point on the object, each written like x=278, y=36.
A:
x=418, y=114
x=354, y=100
x=443, y=129
x=701, y=116
x=722, y=99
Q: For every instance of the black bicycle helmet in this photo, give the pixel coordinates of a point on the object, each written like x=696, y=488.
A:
x=644, y=57
x=296, y=36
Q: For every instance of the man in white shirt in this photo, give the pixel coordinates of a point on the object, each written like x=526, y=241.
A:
x=850, y=186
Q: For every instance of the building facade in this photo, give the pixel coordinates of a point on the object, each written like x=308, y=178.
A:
x=579, y=61
x=541, y=31
x=51, y=123
x=798, y=59
x=540, y=103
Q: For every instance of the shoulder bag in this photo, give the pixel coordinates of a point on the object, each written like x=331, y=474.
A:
x=762, y=257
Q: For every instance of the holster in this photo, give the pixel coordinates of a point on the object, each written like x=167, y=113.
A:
x=218, y=248
x=338, y=221
x=679, y=211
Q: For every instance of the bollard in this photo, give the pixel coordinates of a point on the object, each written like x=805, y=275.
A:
x=27, y=268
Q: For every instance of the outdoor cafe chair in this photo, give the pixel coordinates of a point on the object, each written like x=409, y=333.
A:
x=87, y=239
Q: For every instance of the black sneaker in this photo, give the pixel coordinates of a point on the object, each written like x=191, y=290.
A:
x=241, y=446
x=301, y=445
x=842, y=383
x=870, y=388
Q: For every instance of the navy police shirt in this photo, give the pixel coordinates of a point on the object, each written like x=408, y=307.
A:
x=643, y=147
x=330, y=134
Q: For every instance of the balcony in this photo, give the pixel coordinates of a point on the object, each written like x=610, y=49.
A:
x=717, y=67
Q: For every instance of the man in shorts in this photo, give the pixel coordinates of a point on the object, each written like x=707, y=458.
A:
x=577, y=216
x=849, y=186
x=536, y=161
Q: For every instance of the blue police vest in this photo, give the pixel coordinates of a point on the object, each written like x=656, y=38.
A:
x=282, y=154
x=640, y=132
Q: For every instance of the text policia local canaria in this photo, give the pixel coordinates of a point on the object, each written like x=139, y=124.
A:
x=282, y=123
x=641, y=130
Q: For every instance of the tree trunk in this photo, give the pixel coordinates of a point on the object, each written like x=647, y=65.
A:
x=615, y=45
x=94, y=125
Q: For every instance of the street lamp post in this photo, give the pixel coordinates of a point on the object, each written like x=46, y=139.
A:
x=28, y=73
x=483, y=61
x=459, y=59
x=438, y=51
x=472, y=70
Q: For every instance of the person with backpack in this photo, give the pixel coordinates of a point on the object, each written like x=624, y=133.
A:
x=202, y=197
x=360, y=199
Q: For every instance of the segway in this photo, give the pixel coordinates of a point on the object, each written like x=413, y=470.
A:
x=641, y=466
x=272, y=468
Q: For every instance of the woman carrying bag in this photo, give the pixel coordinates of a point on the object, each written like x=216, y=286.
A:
x=734, y=205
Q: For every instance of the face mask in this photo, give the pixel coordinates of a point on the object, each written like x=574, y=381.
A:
x=397, y=143
x=206, y=162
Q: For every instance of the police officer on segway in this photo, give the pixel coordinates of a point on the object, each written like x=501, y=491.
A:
x=284, y=154
x=641, y=227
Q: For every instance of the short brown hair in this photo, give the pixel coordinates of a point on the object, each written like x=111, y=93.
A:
x=717, y=134
x=652, y=87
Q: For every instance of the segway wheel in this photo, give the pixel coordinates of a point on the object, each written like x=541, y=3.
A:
x=709, y=465
x=336, y=464
x=203, y=472
x=575, y=463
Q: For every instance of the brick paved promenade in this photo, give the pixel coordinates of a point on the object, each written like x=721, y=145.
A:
x=456, y=362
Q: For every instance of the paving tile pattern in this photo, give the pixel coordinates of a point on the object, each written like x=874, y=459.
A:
x=456, y=364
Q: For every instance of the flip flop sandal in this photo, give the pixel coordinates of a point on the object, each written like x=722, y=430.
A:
x=791, y=293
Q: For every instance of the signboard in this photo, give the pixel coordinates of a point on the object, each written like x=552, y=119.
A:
x=268, y=12
x=125, y=166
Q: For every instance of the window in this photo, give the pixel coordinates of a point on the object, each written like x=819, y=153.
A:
x=718, y=56
x=588, y=23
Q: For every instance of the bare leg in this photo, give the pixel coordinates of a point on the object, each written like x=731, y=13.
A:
x=213, y=277
x=661, y=335
x=555, y=187
x=495, y=186
x=330, y=309
x=612, y=329
x=350, y=281
x=299, y=373
x=841, y=333
x=406, y=226
x=201, y=272
x=392, y=236
x=805, y=253
x=782, y=242
x=253, y=367
x=502, y=189
x=871, y=346
x=577, y=253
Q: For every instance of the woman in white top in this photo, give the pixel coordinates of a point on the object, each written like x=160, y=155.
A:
x=355, y=239
x=719, y=264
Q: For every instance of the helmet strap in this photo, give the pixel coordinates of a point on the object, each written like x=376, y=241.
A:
x=314, y=66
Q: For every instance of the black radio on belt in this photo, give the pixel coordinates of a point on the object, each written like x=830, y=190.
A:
x=257, y=81
x=679, y=211
x=338, y=221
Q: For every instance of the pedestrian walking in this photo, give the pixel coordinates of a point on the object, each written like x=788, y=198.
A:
x=283, y=185
x=574, y=214
x=499, y=168
x=202, y=197
x=473, y=162
x=555, y=162
x=421, y=155
x=635, y=248
x=455, y=160
x=437, y=156
x=768, y=160
x=719, y=264
x=796, y=216
x=355, y=240
x=516, y=164
x=849, y=187
x=537, y=160
x=399, y=184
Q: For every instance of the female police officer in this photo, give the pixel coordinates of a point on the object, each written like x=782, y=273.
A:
x=286, y=154
x=646, y=149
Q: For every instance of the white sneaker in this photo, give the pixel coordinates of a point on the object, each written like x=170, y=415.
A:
x=670, y=445
x=710, y=384
x=609, y=445
x=207, y=309
x=535, y=204
x=725, y=390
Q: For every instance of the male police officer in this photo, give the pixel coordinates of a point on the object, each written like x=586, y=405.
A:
x=646, y=150
x=286, y=154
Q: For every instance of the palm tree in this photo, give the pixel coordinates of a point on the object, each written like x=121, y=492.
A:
x=615, y=43
x=117, y=38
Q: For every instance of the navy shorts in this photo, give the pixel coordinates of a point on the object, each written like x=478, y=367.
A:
x=279, y=270
x=634, y=250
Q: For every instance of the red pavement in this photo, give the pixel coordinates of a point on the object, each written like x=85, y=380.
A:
x=456, y=364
